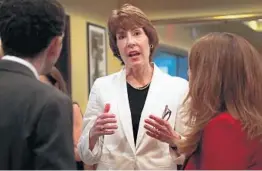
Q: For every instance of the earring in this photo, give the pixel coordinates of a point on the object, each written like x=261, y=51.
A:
x=151, y=46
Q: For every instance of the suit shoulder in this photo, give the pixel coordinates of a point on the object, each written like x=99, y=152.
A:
x=49, y=92
x=54, y=100
x=106, y=79
x=180, y=81
x=176, y=82
x=175, y=79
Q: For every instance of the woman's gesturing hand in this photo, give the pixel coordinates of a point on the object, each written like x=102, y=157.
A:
x=161, y=130
x=105, y=124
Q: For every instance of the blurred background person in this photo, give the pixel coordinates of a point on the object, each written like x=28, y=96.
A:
x=114, y=136
x=224, y=105
x=55, y=78
x=35, y=120
x=1, y=49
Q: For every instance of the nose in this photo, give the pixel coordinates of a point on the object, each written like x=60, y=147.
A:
x=130, y=40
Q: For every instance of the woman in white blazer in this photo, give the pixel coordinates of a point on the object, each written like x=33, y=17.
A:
x=114, y=134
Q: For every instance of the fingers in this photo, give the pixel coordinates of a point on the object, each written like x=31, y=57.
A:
x=149, y=128
x=159, y=120
x=104, y=132
x=162, y=124
x=154, y=132
x=106, y=127
x=107, y=108
x=152, y=135
x=105, y=121
x=155, y=125
x=159, y=129
x=106, y=115
x=106, y=112
x=157, y=135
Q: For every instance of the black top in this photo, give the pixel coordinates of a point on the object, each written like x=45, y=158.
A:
x=35, y=122
x=137, y=100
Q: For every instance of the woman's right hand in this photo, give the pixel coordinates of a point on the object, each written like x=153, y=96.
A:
x=105, y=124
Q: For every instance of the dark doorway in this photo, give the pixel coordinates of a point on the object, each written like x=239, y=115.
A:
x=64, y=62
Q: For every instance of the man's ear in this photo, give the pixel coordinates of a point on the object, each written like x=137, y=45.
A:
x=55, y=47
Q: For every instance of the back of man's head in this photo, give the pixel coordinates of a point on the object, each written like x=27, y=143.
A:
x=28, y=26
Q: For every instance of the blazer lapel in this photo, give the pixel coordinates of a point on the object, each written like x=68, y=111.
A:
x=151, y=101
x=124, y=110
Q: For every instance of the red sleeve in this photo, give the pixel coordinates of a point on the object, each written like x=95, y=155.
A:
x=223, y=145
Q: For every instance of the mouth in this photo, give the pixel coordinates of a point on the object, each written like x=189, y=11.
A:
x=133, y=54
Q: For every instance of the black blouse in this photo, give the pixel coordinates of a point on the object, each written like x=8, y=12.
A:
x=137, y=100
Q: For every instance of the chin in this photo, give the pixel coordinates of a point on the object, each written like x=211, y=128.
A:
x=136, y=64
x=135, y=61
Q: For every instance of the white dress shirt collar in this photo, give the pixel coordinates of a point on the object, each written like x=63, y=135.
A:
x=23, y=62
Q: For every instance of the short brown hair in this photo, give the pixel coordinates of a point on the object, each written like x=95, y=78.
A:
x=130, y=17
x=225, y=76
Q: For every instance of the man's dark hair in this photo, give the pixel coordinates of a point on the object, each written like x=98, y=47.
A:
x=28, y=26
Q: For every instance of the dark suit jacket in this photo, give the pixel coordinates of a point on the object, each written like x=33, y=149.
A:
x=225, y=146
x=35, y=122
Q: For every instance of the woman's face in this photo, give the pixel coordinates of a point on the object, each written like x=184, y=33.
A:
x=133, y=46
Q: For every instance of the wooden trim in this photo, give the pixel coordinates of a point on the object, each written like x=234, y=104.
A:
x=69, y=59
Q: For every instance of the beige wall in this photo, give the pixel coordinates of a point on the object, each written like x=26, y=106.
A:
x=97, y=11
x=80, y=13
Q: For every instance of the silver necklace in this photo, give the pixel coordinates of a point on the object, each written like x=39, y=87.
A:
x=142, y=88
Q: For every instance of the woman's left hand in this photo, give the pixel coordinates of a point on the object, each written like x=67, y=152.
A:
x=161, y=130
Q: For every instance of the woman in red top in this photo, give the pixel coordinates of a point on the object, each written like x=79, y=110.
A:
x=224, y=105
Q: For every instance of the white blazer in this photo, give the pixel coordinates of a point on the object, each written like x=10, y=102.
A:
x=118, y=151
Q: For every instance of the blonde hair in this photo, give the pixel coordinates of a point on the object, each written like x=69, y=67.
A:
x=226, y=76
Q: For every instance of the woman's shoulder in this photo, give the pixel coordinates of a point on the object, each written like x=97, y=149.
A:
x=75, y=103
x=224, y=117
x=76, y=109
x=107, y=79
x=223, y=121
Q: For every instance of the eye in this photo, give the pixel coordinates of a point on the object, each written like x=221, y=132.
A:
x=137, y=32
x=120, y=37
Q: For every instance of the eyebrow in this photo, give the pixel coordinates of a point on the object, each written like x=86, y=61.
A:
x=121, y=31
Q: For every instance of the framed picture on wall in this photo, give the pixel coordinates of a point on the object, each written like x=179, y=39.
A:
x=97, y=53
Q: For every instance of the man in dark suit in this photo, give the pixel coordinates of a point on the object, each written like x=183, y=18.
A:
x=35, y=119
